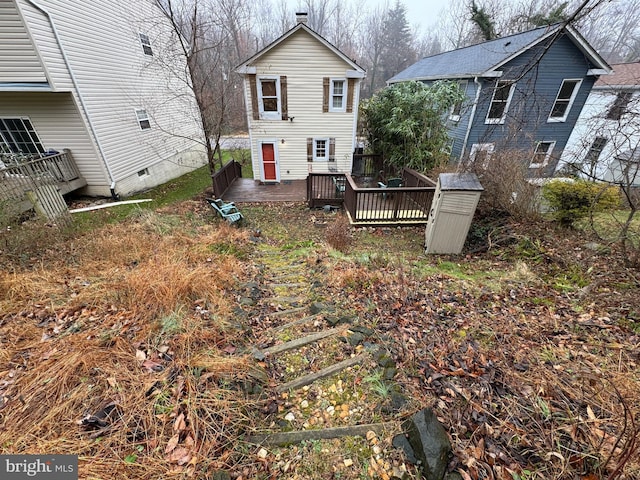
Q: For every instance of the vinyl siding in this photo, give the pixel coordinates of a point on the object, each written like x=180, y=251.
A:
x=622, y=135
x=538, y=82
x=113, y=77
x=304, y=61
x=19, y=61
x=58, y=125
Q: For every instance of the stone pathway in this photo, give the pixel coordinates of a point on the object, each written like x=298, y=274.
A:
x=328, y=376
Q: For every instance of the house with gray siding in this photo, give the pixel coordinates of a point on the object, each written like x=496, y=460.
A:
x=524, y=92
x=84, y=78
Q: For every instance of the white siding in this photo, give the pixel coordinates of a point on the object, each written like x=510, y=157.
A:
x=19, y=60
x=304, y=61
x=58, y=125
x=112, y=77
x=622, y=135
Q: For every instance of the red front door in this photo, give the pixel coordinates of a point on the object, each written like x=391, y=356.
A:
x=269, y=162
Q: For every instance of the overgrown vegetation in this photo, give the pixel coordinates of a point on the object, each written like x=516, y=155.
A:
x=404, y=123
x=125, y=343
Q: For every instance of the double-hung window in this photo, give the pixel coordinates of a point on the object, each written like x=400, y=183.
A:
x=320, y=149
x=456, y=110
x=269, y=98
x=19, y=136
x=595, y=150
x=502, y=95
x=542, y=154
x=338, y=95
x=143, y=119
x=564, y=100
x=146, y=44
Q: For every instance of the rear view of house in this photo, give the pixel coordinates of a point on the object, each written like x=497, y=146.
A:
x=302, y=98
x=524, y=93
x=84, y=77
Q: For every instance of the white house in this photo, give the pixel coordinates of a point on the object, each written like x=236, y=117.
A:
x=93, y=77
x=605, y=143
x=302, y=97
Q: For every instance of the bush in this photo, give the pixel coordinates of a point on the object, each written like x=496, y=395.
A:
x=507, y=189
x=571, y=201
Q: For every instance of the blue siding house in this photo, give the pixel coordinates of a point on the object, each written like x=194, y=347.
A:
x=524, y=92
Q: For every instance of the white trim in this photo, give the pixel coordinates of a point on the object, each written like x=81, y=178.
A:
x=482, y=147
x=143, y=116
x=576, y=89
x=248, y=70
x=492, y=74
x=326, y=149
x=598, y=71
x=276, y=157
x=345, y=89
x=478, y=84
x=545, y=162
x=277, y=115
x=491, y=120
x=354, y=74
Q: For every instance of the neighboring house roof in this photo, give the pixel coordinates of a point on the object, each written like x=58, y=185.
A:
x=245, y=67
x=624, y=75
x=483, y=59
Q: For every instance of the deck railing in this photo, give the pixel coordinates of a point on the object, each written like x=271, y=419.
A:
x=25, y=183
x=408, y=204
x=224, y=177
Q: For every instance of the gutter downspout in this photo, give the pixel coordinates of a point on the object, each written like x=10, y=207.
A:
x=112, y=186
x=471, y=117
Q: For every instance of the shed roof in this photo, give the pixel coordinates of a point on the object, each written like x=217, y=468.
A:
x=484, y=58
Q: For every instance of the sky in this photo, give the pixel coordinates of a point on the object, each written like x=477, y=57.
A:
x=424, y=12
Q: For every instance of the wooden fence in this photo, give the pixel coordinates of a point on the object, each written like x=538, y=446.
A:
x=224, y=177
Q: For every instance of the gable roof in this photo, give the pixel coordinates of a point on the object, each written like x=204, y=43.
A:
x=483, y=59
x=624, y=75
x=245, y=67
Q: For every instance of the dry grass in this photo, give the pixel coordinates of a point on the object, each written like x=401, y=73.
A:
x=338, y=233
x=130, y=322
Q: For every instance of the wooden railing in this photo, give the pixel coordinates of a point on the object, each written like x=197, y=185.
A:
x=39, y=182
x=224, y=177
x=374, y=206
x=366, y=165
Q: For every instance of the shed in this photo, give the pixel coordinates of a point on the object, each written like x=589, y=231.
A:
x=454, y=204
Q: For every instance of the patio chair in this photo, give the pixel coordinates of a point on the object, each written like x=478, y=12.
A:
x=228, y=211
x=391, y=183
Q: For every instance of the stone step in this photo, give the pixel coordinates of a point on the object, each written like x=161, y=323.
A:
x=286, y=438
x=287, y=285
x=325, y=372
x=299, y=342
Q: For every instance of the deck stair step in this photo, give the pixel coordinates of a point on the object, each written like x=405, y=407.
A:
x=300, y=342
x=320, y=374
x=286, y=438
x=295, y=323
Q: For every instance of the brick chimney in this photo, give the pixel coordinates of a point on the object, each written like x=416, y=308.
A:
x=301, y=17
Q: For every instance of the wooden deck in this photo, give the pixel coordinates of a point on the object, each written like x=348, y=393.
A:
x=249, y=190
